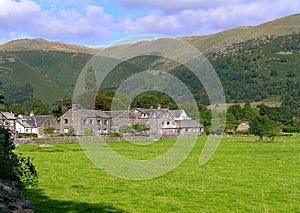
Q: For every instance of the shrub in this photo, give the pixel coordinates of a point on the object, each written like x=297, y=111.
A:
x=49, y=130
x=15, y=167
x=28, y=135
x=88, y=132
x=113, y=134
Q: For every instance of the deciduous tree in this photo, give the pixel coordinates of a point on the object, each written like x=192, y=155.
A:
x=90, y=81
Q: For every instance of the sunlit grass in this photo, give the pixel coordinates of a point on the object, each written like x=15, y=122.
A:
x=242, y=176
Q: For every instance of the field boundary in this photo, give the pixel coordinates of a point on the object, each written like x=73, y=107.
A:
x=74, y=139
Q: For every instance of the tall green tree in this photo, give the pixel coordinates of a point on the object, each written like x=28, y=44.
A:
x=145, y=101
x=248, y=112
x=1, y=98
x=237, y=111
x=15, y=166
x=260, y=126
x=90, y=81
x=18, y=109
x=2, y=103
x=39, y=108
x=61, y=106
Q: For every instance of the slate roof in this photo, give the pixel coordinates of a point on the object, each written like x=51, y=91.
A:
x=176, y=113
x=33, y=121
x=27, y=122
x=189, y=124
x=90, y=113
x=151, y=112
x=114, y=114
x=41, y=119
x=9, y=115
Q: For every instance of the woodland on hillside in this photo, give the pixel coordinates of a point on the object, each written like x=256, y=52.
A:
x=265, y=68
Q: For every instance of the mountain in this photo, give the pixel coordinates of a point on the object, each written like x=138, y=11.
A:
x=50, y=69
x=220, y=41
x=41, y=44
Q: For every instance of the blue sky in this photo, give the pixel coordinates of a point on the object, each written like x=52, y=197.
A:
x=102, y=22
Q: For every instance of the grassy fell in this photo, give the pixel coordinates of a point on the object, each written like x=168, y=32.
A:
x=242, y=176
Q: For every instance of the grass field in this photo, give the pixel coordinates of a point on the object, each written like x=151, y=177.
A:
x=242, y=176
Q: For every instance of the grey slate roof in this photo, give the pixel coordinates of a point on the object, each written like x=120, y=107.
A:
x=90, y=113
x=176, y=113
x=33, y=121
x=27, y=122
x=189, y=124
x=41, y=119
x=114, y=114
x=152, y=112
x=9, y=115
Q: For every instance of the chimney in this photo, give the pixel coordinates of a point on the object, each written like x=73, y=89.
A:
x=159, y=106
x=31, y=114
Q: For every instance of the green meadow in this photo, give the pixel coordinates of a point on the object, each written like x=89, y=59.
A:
x=242, y=176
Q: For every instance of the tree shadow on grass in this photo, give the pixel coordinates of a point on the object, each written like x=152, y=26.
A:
x=44, y=204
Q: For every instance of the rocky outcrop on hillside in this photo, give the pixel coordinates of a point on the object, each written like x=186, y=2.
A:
x=12, y=200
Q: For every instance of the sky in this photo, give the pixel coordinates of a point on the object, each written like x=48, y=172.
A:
x=98, y=23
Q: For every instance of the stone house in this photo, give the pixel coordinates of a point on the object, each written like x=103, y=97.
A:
x=159, y=121
x=117, y=119
x=244, y=126
x=190, y=128
x=166, y=122
x=180, y=115
x=8, y=120
x=35, y=124
x=78, y=120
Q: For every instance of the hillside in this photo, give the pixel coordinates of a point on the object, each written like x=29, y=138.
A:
x=44, y=45
x=261, y=68
x=51, y=74
x=249, y=58
x=219, y=41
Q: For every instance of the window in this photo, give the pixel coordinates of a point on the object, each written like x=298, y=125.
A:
x=105, y=122
x=91, y=122
x=168, y=122
x=98, y=122
x=66, y=121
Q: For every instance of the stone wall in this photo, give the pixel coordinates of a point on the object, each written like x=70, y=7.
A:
x=12, y=200
x=106, y=138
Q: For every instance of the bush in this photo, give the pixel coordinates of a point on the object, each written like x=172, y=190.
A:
x=88, y=132
x=243, y=132
x=15, y=167
x=28, y=135
x=49, y=131
x=113, y=134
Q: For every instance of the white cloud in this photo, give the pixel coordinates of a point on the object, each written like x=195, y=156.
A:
x=16, y=14
x=199, y=21
x=93, y=26
x=26, y=18
x=173, y=6
x=10, y=7
x=85, y=22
